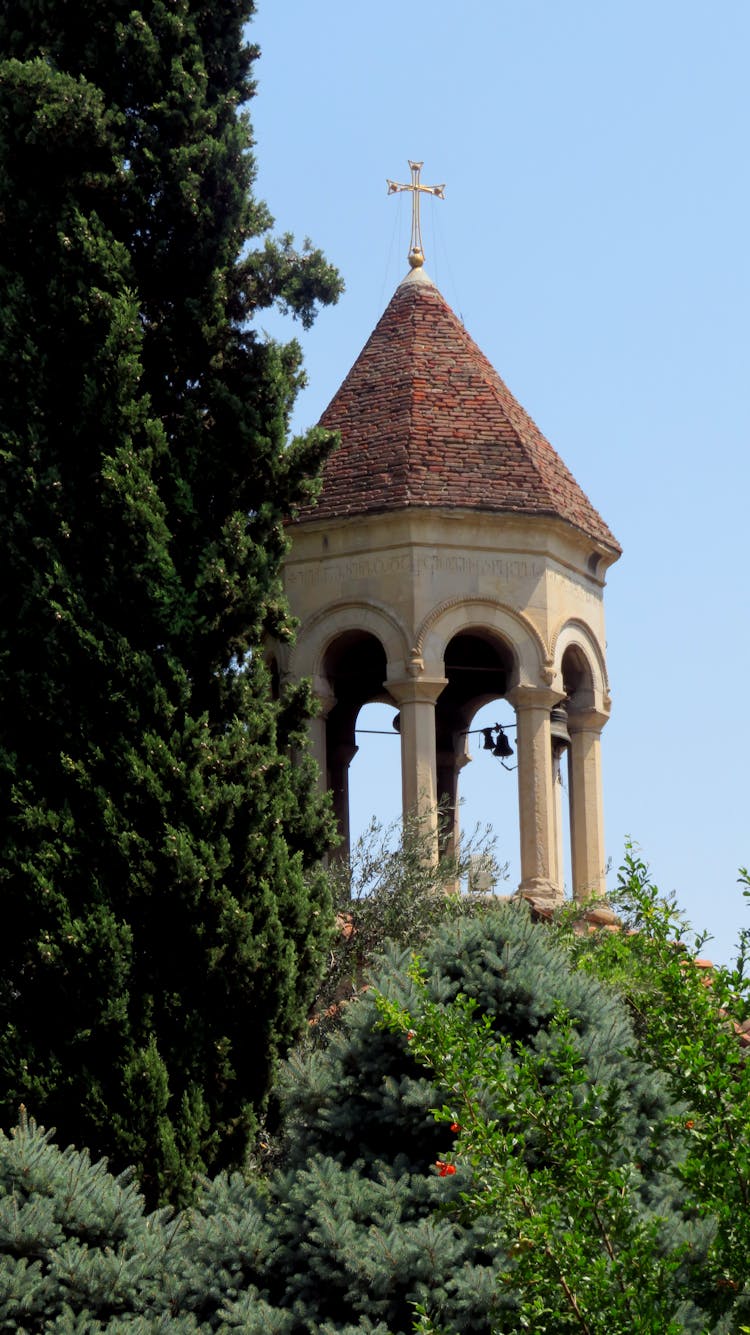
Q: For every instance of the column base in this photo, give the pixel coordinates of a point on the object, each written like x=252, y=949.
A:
x=537, y=887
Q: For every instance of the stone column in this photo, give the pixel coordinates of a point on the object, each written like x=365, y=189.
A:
x=341, y=757
x=558, y=758
x=586, y=811
x=536, y=798
x=416, y=698
x=316, y=730
x=449, y=766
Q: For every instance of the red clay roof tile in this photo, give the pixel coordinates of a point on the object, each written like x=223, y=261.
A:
x=425, y=421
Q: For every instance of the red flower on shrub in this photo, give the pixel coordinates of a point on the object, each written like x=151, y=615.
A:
x=445, y=1169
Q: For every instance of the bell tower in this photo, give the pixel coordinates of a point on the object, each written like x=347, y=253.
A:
x=452, y=560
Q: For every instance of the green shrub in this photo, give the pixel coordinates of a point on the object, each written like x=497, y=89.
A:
x=360, y=1226
x=587, y=1187
x=687, y=1022
x=390, y=890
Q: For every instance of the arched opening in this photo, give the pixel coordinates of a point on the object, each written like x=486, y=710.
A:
x=512, y=786
x=578, y=682
x=488, y=793
x=375, y=774
x=355, y=668
x=479, y=667
x=587, y=869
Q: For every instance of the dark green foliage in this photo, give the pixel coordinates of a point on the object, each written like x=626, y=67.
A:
x=592, y=1240
x=687, y=1023
x=359, y=1226
x=565, y=1130
x=164, y=925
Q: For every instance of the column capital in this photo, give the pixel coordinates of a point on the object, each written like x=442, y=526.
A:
x=587, y=720
x=534, y=697
x=324, y=695
x=416, y=690
x=343, y=753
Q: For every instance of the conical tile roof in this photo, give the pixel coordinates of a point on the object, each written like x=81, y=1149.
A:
x=426, y=422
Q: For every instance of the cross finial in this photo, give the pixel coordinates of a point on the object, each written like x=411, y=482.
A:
x=416, y=253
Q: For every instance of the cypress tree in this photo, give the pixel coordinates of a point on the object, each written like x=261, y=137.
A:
x=163, y=918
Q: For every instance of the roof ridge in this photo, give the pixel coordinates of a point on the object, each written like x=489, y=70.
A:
x=417, y=288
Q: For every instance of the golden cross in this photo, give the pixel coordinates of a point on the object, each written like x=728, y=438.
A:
x=416, y=253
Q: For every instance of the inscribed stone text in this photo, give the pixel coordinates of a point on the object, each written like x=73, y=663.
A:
x=570, y=577
x=365, y=567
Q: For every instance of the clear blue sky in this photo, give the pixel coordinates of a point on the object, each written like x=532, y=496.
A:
x=594, y=239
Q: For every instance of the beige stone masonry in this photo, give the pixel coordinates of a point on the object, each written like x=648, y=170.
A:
x=416, y=698
x=405, y=585
x=586, y=817
x=536, y=797
x=453, y=560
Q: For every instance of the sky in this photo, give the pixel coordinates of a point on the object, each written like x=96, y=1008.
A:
x=594, y=240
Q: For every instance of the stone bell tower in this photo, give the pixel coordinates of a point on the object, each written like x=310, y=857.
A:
x=452, y=560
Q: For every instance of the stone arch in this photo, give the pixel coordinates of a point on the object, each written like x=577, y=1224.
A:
x=479, y=665
x=576, y=635
x=348, y=649
x=580, y=664
x=318, y=633
x=531, y=660
x=515, y=655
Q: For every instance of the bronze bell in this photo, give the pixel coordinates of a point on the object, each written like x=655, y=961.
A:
x=502, y=748
x=558, y=726
x=488, y=742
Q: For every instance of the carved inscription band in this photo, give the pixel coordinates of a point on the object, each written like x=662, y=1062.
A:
x=408, y=563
